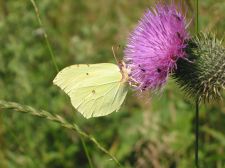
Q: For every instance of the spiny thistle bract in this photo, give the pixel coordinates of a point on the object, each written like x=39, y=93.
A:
x=155, y=45
x=202, y=76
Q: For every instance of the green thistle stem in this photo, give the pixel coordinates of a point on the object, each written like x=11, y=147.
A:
x=197, y=102
x=196, y=132
x=57, y=119
x=197, y=17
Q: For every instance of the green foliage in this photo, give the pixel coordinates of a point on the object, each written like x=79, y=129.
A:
x=146, y=132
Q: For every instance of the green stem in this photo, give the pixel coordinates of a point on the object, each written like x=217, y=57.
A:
x=196, y=132
x=45, y=35
x=58, y=119
x=86, y=153
x=197, y=16
x=197, y=101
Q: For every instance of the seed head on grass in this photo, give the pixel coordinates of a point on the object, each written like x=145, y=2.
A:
x=155, y=45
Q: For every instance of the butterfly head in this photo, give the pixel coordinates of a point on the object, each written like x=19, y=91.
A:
x=124, y=71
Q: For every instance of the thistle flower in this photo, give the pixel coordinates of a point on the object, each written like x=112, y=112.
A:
x=203, y=76
x=155, y=45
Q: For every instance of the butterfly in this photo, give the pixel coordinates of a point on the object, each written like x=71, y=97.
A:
x=94, y=89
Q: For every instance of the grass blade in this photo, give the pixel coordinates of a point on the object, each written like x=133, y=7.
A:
x=45, y=35
x=55, y=118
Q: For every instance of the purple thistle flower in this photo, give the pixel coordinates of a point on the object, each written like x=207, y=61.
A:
x=154, y=47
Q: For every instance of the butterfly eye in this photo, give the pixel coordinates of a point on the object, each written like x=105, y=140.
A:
x=159, y=70
x=87, y=73
x=93, y=91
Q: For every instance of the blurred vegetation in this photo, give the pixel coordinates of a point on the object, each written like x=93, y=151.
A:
x=149, y=131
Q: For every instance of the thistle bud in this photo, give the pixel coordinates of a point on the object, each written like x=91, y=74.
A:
x=202, y=74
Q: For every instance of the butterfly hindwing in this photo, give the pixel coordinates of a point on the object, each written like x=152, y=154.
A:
x=95, y=89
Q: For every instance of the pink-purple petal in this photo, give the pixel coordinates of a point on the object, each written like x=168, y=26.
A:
x=155, y=45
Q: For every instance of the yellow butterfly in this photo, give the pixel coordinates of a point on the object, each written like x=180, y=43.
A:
x=94, y=89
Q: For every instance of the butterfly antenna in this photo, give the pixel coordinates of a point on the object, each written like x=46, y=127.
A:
x=115, y=56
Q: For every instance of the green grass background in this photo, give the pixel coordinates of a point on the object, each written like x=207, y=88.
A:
x=153, y=131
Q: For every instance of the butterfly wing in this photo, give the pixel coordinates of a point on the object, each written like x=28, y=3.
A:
x=95, y=89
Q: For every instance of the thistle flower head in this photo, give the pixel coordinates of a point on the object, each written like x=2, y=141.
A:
x=203, y=76
x=155, y=45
